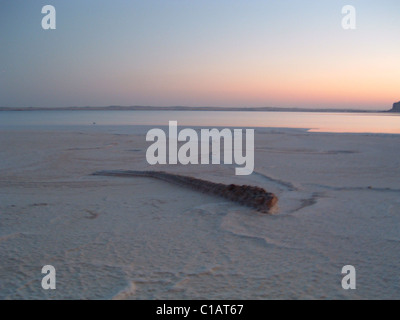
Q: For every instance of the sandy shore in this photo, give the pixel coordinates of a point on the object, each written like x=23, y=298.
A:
x=140, y=238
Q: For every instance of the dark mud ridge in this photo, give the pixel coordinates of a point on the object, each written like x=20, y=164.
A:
x=250, y=196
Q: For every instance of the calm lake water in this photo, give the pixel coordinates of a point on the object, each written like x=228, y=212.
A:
x=316, y=122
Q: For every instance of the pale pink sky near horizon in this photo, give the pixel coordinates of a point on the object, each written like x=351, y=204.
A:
x=200, y=53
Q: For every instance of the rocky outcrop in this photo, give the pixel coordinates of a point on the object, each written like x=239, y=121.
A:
x=254, y=197
x=396, y=107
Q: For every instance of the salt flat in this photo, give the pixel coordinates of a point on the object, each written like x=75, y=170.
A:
x=139, y=238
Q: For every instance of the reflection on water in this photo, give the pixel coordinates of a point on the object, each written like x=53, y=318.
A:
x=316, y=122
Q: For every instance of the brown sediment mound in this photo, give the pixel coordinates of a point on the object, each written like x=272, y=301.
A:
x=254, y=197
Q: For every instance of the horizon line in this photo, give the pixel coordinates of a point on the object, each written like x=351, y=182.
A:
x=187, y=108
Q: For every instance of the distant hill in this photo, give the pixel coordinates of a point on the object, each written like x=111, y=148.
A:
x=396, y=107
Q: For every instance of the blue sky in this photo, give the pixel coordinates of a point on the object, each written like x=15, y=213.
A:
x=200, y=53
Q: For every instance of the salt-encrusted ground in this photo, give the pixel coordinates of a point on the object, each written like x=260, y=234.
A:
x=141, y=238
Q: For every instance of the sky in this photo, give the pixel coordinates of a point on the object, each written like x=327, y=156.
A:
x=228, y=53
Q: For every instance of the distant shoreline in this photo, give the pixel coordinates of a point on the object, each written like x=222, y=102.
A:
x=182, y=108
